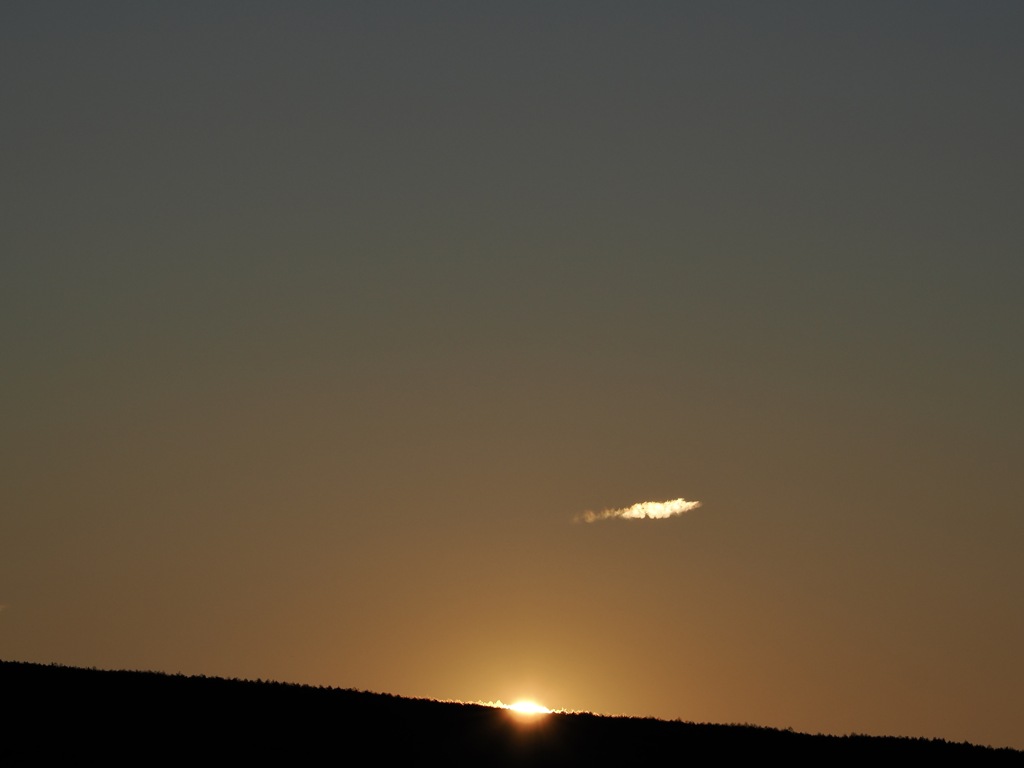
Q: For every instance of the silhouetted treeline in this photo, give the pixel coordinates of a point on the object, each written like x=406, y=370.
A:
x=55, y=711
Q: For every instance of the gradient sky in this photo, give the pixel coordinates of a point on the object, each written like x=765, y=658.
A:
x=321, y=323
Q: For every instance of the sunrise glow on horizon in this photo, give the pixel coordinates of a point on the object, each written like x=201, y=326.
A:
x=528, y=708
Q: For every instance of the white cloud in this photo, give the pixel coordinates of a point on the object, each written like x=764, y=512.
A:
x=642, y=510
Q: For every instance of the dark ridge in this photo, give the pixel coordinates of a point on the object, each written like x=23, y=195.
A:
x=55, y=711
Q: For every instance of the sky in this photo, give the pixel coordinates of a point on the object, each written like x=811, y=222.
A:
x=327, y=328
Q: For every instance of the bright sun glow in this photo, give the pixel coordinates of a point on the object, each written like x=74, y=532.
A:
x=529, y=708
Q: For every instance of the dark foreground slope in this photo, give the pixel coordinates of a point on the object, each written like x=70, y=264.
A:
x=54, y=711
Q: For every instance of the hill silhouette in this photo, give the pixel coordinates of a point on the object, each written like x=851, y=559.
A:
x=55, y=710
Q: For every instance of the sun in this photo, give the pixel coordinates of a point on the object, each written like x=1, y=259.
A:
x=525, y=707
